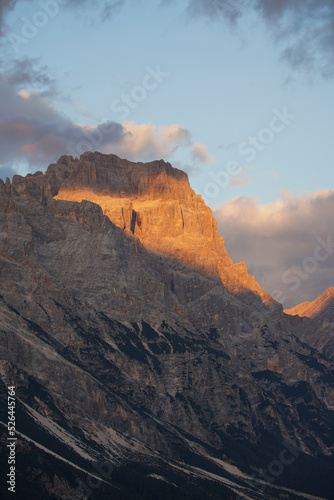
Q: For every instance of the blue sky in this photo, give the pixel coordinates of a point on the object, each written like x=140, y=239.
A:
x=224, y=74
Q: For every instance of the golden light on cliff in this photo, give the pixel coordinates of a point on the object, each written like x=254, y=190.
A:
x=181, y=229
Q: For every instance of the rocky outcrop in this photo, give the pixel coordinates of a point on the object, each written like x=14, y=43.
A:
x=124, y=349
x=321, y=307
x=313, y=322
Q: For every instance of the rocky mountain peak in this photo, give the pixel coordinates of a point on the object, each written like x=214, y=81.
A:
x=116, y=177
x=154, y=203
x=321, y=307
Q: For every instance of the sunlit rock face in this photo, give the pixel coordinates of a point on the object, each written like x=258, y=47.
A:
x=321, y=307
x=314, y=322
x=132, y=337
x=156, y=204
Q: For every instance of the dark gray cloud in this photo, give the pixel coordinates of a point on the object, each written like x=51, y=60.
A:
x=275, y=10
x=302, y=29
x=279, y=242
x=25, y=72
x=112, y=8
x=5, y=5
x=33, y=132
x=105, y=11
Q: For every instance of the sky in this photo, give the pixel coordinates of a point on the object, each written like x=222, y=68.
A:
x=239, y=94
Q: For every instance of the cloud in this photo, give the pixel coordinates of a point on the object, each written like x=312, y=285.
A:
x=200, y=152
x=175, y=134
x=243, y=180
x=5, y=5
x=111, y=8
x=24, y=71
x=147, y=142
x=29, y=73
x=303, y=29
x=33, y=132
x=278, y=240
x=104, y=13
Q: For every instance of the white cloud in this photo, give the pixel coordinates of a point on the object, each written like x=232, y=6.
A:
x=272, y=238
x=175, y=134
x=147, y=142
x=200, y=152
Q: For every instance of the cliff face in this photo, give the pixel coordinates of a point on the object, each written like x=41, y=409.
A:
x=156, y=204
x=133, y=338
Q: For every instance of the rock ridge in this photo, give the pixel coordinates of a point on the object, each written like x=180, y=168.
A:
x=153, y=202
x=321, y=307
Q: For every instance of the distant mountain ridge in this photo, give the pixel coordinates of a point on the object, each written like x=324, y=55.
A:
x=321, y=307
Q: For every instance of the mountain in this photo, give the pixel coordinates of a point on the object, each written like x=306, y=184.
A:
x=313, y=322
x=321, y=307
x=146, y=363
x=156, y=203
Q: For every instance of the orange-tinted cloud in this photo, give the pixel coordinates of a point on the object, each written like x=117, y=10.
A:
x=147, y=142
x=272, y=238
x=33, y=132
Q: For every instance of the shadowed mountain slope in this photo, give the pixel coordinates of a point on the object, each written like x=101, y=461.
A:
x=133, y=339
